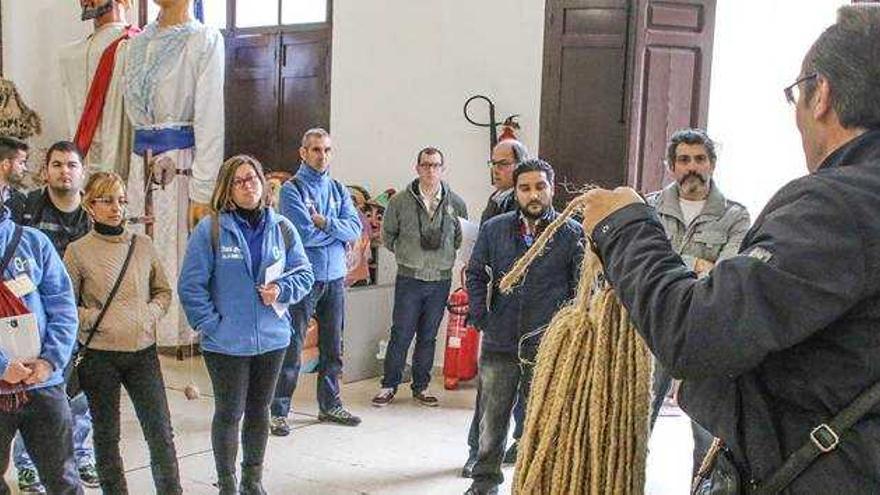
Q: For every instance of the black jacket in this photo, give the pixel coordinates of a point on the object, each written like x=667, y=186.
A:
x=781, y=337
x=499, y=202
x=36, y=210
x=549, y=283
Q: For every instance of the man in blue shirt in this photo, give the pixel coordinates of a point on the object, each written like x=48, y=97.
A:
x=325, y=217
x=56, y=210
x=32, y=395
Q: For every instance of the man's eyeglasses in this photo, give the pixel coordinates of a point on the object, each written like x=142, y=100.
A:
x=500, y=163
x=241, y=182
x=792, y=91
x=433, y=166
x=108, y=201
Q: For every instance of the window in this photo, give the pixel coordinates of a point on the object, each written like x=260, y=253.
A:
x=255, y=13
x=303, y=11
x=213, y=10
x=260, y=13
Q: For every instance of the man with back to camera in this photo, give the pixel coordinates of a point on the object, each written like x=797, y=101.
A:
x=777, y=347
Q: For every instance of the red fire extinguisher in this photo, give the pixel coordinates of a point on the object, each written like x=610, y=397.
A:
x=462, y=342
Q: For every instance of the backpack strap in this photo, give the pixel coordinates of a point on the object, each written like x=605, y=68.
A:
x=286, y=234
x=215, y=232
x=11, y=247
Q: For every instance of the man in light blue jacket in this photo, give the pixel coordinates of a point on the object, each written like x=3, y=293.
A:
x=32, y=395
x=325, y=217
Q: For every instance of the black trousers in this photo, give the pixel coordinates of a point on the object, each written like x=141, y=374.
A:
x=45, y=424
x=243, y=386
x=102, y=375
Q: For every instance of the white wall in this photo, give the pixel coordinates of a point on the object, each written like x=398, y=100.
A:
x=32, y=32
x=402, y=70
x=759, y=47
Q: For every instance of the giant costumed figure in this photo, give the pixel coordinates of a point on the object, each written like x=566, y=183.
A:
x=92, y=82
x=174, y=98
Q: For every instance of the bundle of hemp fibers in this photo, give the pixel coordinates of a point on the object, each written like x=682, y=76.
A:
x=587, y=417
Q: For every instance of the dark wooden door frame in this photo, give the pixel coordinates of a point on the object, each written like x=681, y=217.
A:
x=588, y=45
x=674, y=39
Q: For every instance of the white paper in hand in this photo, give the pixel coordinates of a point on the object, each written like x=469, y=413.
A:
x=273, y=273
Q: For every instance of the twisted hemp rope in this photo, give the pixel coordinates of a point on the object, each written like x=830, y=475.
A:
x=587, y=417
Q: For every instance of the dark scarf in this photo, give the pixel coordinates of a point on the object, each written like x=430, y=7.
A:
x=104, y=229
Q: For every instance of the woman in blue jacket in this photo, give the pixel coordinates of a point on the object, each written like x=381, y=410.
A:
x=243, y=266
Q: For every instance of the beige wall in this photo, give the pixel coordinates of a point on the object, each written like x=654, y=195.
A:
x=402, y=70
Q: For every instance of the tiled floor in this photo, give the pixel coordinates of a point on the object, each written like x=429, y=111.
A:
x=403, y=449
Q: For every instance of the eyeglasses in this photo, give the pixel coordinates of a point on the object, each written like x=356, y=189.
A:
x=507, y=162
x=108, y=201
x=792, y=92
x=241, y=182
x=433, y=166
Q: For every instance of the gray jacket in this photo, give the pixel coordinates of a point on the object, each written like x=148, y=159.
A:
x=715, y=234
x=406, y=224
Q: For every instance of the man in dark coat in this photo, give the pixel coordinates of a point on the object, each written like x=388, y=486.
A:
x=778, y=340
x=509, y=322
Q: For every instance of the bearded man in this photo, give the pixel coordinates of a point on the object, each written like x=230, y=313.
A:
x=703, y=227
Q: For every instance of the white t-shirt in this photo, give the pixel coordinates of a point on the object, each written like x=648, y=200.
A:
x=690, y=209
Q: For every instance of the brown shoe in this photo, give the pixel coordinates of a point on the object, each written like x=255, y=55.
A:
x=383, y=398
x=425, y=399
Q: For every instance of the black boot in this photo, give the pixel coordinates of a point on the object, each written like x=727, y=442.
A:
x=227, y=484
x=252, y=480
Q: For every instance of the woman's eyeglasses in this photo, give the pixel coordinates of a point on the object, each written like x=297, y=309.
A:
x=241, y=182
x=108, y=201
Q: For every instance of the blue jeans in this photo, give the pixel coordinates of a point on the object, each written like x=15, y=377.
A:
x=418, y=311
x=82, y=437
x=519, y=423
x=502, y=376
x=44, y=422
x=326, y=302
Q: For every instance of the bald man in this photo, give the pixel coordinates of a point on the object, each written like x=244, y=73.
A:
x=505, y=156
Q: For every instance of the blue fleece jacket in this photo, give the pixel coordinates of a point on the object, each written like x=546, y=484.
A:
x=217, y=286
x=53, y=303
x=324, y=247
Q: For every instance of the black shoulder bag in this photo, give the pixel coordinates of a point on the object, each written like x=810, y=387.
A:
x=718, y=474
x=71, y=376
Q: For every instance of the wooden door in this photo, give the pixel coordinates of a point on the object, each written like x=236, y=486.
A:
x=584, y=127
x=673, y=61
x=252, y=97
x=277, y=87
x=305, y=91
